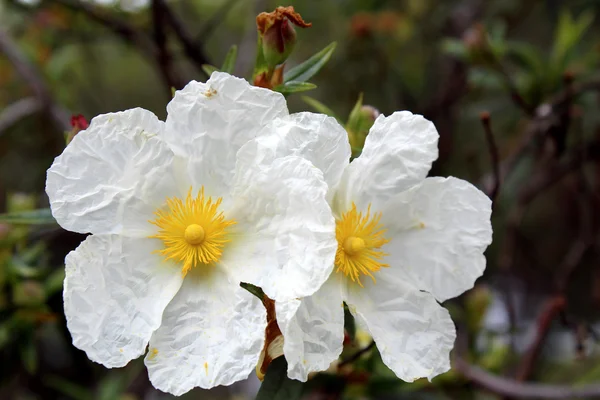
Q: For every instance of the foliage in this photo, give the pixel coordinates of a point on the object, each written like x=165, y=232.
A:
x=532, y=65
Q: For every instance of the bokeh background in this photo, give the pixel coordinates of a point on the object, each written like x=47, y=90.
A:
x=512, y=87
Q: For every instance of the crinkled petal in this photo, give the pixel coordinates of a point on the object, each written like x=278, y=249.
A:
x=112, y=176
x=439, y=231
x=115, y=292
x=212, y=334
x=398, y=154
x=284, y=237
x=207, y=123
x=316, y=137
x=313, y=329
x=413, y=333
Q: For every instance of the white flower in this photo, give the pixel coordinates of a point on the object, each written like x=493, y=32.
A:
x=405, y=242
x=177, y=224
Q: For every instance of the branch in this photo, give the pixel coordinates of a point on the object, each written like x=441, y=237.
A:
x=17, y=111
x=163, y=58
x=493, y=149
x=192, y=50
x=30, y=75
x=357, y=355
x=551, y=309
x=128, y=33
x=511, y=388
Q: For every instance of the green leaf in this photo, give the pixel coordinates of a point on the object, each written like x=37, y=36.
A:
x=35, y=217
x=209, y=69
x=319, y=107
x=54, y=281
x=306, y=70
x=277, y=386
x=29, y=357
x=455, y=48
x=568, y=33
x=294, y=87
x=260, y=64
x=230, y=59
x=255, y=290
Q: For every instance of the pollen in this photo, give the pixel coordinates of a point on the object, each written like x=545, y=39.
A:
x=193, y=231
x=360, y=238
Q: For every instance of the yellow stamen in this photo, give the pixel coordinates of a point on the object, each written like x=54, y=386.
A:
x=193, y=231
x=359, y=240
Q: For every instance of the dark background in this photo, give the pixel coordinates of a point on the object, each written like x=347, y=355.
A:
x=531, y=68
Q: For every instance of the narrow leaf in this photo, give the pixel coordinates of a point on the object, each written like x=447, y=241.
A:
x=277, y=386
x=260, y=65
x=35, y=217
x=294, y=87
x=319, y=107
x=306, y=70
x=255, y=290
x=209, y=69
x=230, y=59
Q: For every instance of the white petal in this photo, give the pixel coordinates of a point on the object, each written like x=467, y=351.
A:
x=212, y=334
x=285, y=232
x=318, y=138
x=112, y=176
x=209, y=122
x=398, y=153
x=115, y=292
x=439, y=231
x=313, y=329
x=413, y=333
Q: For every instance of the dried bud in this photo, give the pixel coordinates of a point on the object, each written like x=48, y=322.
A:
x=278, y=34
x=79, y=123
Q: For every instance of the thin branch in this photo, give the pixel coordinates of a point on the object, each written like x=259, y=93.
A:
x=214, y=21
x=18, y=110
x=164, y=58
x=127, y=32
x=507, y=387
x=130, y=35
x=192, y=50
x=357, y=355
x=495, y=158
x=550, y=310
x=33, y=78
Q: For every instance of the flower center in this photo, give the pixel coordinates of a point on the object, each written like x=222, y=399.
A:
x=194, y=234
x=353, y=245
x=193, y=231
x=359, y=240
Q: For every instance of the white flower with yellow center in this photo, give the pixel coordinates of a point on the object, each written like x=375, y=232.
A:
x=405, y=242
x=177, y=222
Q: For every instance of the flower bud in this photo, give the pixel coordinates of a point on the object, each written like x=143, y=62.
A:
x=79, y=123
x=278, y=34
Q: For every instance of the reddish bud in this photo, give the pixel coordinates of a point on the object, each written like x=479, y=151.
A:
x=278, y=34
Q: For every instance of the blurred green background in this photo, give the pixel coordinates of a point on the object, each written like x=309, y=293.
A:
x=532, y=66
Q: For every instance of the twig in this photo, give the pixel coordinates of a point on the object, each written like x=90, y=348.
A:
x=17, y=111
x=192, y=50
x=34, y=80
x=507, y=387
x=164, y=59
x=128, y=33
x=357, y=355
x=214, y=20
x=550, y=310
x=512, y=88
x=493, y=149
